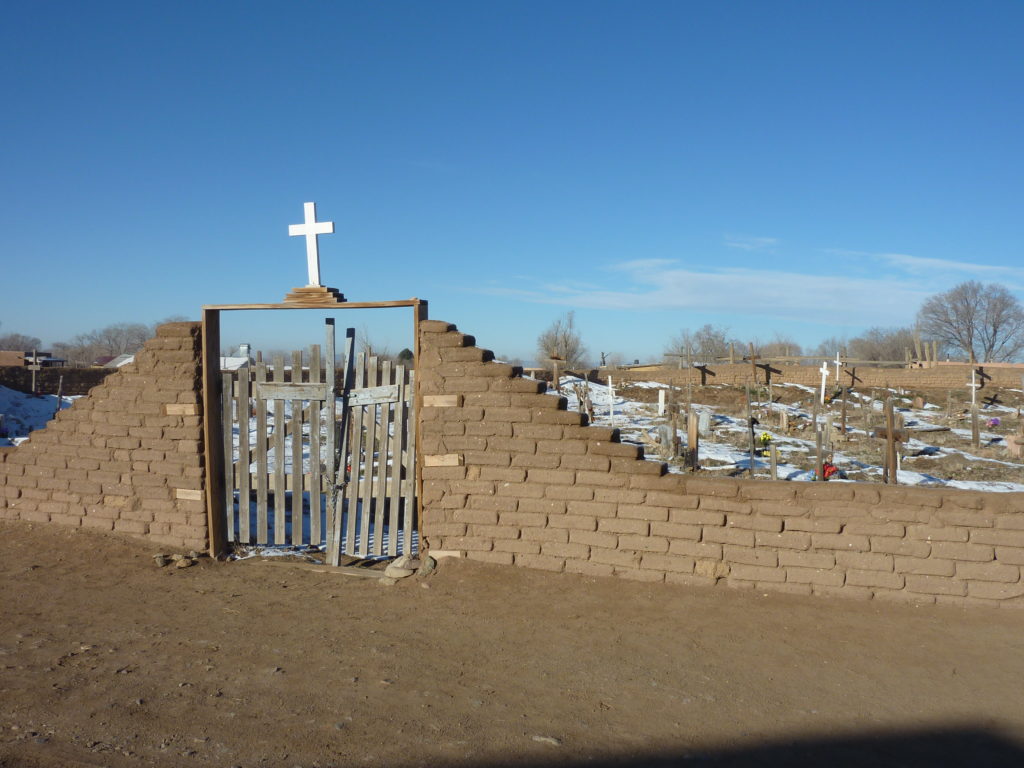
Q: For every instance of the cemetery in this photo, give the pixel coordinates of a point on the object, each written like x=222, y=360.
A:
x=180, y=543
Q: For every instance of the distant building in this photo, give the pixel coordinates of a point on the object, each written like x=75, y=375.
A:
x=25, y=359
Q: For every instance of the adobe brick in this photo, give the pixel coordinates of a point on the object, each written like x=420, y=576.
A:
x=483, y=516
x=552, y=432
x=565, y=418
x=450, y=501
x=668, y=483
x=517, y=546
x=990, y=590
x=619, y=525
x=476, y=487
x=571, y=493
x=704, y=551
x=804, y=559
x=865, y=561
x=647, y=512
x=135, y=527
x=985, y=571
x=466, y=384
x=465, y=355
x=594, y=538
x=934, y=533
x=801, y=575
x=550, y=476
x=39, y=471
x=514, y=444
x=69, y=521
x=487, y=429
x=935, y=585
x=527, y=490
x=842, y=509
x=573, y=522
x=518, y=385
x=542, y=506
x=435, y=326
x=662, y=562
x=754, y=522
x=494, y=532
x=618, y=450
x=811, y=525
x=468, y=413
x=784, y=540
x=962, y=499
x=496, y=558
x=639, y=466
x=722, y=488
x=954, y=550
x=587, y=568
x=750, y=556
x=535, y=401
x=743, y=572
x=587, y=463
x=493, y=503
x=840, y=542
x=968, y=519
x=444, y=529
x=619, y=495
x=893, y=545
x=1010, y=555
x=488, y=458
x=599, y=434
x=443, y=473
x=716, y=535
x=52, y=484
x=643, y=543
x=466, y=543
x=522, y=519
x=539, y=461
x=35, y=494
x=571, y=550
x=676, y=530
x=451, y=339
x=758, y=489
x=451, y=428
x=545, y=534
x=541, y=562
x=1014, y=522
x=997, y=536
x=507, y=414
x=614, y=557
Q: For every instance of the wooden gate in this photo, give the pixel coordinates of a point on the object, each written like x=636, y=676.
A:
x=313, y=461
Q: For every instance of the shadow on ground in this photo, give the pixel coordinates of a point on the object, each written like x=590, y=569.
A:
x=941, y=747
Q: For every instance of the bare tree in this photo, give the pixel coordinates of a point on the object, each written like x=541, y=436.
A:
x=986, y=322
x=705, y=344
x=780, y=346
x=882, y=344
x=19, y=342
x=562, y=340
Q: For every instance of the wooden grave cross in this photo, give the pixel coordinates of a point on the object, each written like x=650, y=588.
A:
x=824, y=377
x=310, y=229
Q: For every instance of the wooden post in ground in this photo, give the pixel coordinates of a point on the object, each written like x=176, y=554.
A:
x=34, y=366
x=773, y=454
x=60, y=395
x=750, y=424
x=732, y=354
x=975, y=426
x=845, y=393
x=819, y=455
x=661, y=402
x=693, y=441
x=890, y=471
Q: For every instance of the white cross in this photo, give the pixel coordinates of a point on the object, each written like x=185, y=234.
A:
x=310, y=229
x=824, y=377
x=838, y=365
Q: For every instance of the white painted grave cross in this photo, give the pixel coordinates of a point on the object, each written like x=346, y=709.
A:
x=310, y=229
x=824, y=377
x=838, y=364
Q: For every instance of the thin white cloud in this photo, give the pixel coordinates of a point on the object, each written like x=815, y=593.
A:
x=828, y=299
x=924, y=265
x=749, y=243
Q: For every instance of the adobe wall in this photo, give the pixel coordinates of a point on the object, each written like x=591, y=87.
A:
x=76, y=381
x=512, y=477
x=126, y=458
x=943, y=376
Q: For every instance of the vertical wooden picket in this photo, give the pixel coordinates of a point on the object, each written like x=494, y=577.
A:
x=295, y=424
x=262, y=458
x=244, y=419
x=315, y=478
x=230, y=471
x=277, y=374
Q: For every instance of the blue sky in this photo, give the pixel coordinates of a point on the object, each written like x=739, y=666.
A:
x=807, y=168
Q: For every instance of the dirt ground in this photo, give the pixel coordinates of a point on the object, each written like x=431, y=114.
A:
x=108, y=660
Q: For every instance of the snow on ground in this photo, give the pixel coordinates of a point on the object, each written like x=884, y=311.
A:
x=23, y=413
x=638, y=422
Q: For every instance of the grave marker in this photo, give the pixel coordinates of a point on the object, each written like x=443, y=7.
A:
x=311, y=229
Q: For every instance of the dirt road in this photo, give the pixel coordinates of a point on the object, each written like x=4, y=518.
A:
x=106, y=659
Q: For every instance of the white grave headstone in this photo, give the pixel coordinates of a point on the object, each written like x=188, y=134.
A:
x=824, y=377
x=661, y=401
x=310, y=229
x=704, y=423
